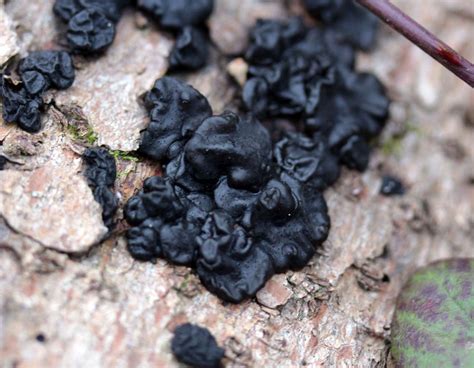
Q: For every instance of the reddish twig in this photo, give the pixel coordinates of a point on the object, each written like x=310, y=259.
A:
x=421, y=37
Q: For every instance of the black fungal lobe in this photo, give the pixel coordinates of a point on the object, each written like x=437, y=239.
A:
x=101, y=173
x=231, y=204
x=308, y=74
x=391, y=186
x=196, y=346
x=3, y=162
x=187, y=20
x=190, y=50
x=354, y=23
x=39, y=71
x=90, y=23
x=177, y=14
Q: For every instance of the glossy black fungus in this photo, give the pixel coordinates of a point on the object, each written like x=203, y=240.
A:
x=186, y=19
x=229, y=205
x=3, y=162
x=234, y=204
x=196, y=346
x=307, y=73
x=41, y=70
x=348, y=18
x=391, y=186
x=67, y=9
x=21, y=107
x=307, y=160
x=190, y=50
x=176, y=110
x=101, y=172
x=222, y=146
x=90, y=31
x=90, y=23
x=177, y=14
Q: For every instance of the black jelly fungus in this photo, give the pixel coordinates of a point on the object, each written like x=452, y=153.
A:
x=43, y=69
x=356, y=24
x=391, y=186
x=3, y=162
x=230, y=204
x=101, y=172
x=177, y=14
x=190, y=50
x=39, y=71
x=176, y=110
x=41, y=338
x=90, y=23
x=196, y=346
x=308, y=74
x=21, y=107
x=90, y=31
x=187, y=20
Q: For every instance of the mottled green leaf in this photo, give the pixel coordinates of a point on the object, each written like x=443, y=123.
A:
x=433, y=325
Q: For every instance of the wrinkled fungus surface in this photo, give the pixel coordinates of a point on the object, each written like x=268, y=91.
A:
x=308, y=74
x=90, y=23
x=196, y=346
x=39, y=71
x=237, y=203
x=101, y=172
x=231, y=204
x=187, y=20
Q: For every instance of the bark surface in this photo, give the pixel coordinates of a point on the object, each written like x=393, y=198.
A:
x=68, y=299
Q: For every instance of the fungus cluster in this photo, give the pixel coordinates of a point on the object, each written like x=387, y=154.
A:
x=235, y=202
x=39, y=71
x=185, y=19
x=90, y=30
x=307, y=74
x=91, y=25
x=101, y=173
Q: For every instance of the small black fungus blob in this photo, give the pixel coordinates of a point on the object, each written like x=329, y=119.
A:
x=101, y=173
x=190, y=50
x=3, y=162
x=187, y=20
x=90, y=23
x=21, y=107
x=391, y=186
x=41, y=70
x=41, y=338
x=348, y=18
x=196, y=346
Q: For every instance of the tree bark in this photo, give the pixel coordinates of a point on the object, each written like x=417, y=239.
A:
x=66, y=301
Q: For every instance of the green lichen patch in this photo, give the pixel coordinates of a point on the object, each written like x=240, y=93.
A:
x=433, y=325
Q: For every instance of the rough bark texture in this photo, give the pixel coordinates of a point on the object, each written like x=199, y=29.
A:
x=69, y=300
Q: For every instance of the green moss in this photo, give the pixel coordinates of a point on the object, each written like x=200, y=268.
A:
x=83, y=134
x=393, y=145
x=123, y=155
